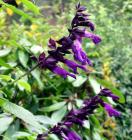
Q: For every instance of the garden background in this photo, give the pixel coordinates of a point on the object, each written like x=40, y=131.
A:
x=24, y=32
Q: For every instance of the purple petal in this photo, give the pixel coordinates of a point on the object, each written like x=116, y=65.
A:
x=62, y=72
x=41, y=60
x=91, y=25
x=79, y=54
x=52, y=43
x=70, y=135
x=106, y=92
x=73, y=65
x=111, y=111
x=96, y=39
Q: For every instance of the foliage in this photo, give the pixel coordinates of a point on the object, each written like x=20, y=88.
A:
x=41, y=99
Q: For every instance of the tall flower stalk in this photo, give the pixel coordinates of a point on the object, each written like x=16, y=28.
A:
x=73, y=44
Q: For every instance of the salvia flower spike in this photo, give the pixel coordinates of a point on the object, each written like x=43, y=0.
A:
x=78, y=116
x=73, y=44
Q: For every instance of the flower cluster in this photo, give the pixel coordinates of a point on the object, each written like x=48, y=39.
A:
x=71, y=44
x=78, y=116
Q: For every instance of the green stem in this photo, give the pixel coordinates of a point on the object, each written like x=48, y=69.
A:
x=28, y=72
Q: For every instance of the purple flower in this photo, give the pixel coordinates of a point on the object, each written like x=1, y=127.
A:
x=106, y=92
x=79, y=54
x=80, y=8
x=46, y=62
x=81, y=33
x=62, y=72
x=96, y=39
x=66, y=42
x=82, y=19
x=111, y=111
x=78, y=116
x=70, y=135
x=52, y=43
x=73, y=65
x=41, y=60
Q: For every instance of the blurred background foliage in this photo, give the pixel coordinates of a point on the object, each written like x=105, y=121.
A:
x=24, y=32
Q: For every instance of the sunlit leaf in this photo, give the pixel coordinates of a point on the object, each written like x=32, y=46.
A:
x=59, y=114
x=19, y=112
x=5, y=77
x=95, y=85
x=23, y=57
x=79, y=81
x=24, y=85
x=2, y=63
x=5, y=52
x=53, y=107
x=5, y=121
x=31, y=6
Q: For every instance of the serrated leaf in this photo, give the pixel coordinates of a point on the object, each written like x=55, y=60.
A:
x=53, y=107
x=24, y=85
x=20, y=113
x=112, y=88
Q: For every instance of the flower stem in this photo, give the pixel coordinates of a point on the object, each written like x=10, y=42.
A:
x=28, y=72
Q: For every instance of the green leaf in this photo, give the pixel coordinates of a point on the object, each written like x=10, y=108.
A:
x=79, y=81
x=95, y=85
x=2, y=63
x=18, y=11
x=23, y=57
x=5, y=122
x=19, y=112
x=112, y=88
x=4, y=52
x=59, y=114
x=53, y=107
x=20, y=135
x=87, y=124
x=45, y=120
x=53, y=137
x=36, y=74
x=11, y=131
x=95, y=121
x=25, y=85
x=5, y=77
x=31, y=6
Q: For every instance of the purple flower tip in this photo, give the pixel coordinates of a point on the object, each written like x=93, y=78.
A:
x=96, y=39
x=70, y=135
x=106, y=92
x=62, y=72
x=111, y=111
x=74, y=66
x=52, y=43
